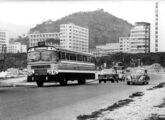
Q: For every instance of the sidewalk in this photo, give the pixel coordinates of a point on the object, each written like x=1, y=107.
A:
x=148, y=105
x=14, y=82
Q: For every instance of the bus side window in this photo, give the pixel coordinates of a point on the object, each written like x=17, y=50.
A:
x=79, y=58
x=93, y=59
x=62, y=55
x=67, y=56
x=72, y=57
x=88, y=59
x=85, y=58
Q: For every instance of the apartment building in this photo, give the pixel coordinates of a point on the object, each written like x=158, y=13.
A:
x=4, y=41
x=98, y=52
x=16, y=47
x=124, y=43
x=74, y=37
x=140, y=38
x=105, y=50
x=109, y=48
x=34, y=38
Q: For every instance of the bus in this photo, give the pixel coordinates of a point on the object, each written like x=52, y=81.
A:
x=48, y=64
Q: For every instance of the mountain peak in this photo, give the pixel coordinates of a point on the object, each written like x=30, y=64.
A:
x=103, y=27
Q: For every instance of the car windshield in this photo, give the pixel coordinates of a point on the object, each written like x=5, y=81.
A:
x=49, y=56
x=137, y=71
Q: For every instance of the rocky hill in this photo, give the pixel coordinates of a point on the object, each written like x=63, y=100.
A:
x=103, y=27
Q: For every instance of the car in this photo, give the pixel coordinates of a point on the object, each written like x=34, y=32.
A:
x=138, y=76
x=108, y=75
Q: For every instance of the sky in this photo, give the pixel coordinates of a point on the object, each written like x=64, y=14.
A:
x=30, y=13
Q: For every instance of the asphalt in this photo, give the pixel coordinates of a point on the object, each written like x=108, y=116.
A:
x=54, y=102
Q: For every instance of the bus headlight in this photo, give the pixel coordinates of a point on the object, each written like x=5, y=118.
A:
x=52, y=72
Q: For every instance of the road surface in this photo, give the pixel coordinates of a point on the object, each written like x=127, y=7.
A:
x=64, y=103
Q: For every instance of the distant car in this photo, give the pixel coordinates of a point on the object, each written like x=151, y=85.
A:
x=138, y=76
x=108, y=75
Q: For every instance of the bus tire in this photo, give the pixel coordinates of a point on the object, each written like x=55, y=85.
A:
x=29, y=78
x=100, y=81
x=63, y=82
x=40, y=83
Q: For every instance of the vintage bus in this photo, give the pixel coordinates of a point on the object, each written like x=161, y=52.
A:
x=47, y=64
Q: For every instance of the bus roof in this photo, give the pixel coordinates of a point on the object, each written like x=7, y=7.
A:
x=64, y=50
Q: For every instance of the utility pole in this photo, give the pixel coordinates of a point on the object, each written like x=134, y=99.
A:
x=156, y=26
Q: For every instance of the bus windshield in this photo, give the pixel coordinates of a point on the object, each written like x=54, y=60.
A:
x=42, y=56
x=33, y=56
x=49, y=56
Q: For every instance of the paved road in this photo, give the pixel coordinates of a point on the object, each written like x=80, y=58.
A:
x=63, y=103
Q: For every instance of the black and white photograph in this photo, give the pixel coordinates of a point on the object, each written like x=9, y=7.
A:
x=82, y=60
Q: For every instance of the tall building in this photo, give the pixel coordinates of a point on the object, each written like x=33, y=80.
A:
x=74, y=37
x=124, y=43
x=140, y=38
x=156, y=27
x=34, y=38
x=16, y=47
x=4, y=41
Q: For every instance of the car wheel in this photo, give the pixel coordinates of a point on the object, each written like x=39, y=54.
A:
x=128, y=83
x=100, y=81
x=144, y=83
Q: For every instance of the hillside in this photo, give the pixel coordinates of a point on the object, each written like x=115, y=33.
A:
x=103, y=27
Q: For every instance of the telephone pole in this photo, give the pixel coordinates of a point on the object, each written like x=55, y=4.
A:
x=156, y=26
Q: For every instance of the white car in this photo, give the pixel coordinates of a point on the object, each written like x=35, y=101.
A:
x=138, y=76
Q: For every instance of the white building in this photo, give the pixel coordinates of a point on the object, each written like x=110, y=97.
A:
x=105, y=50
x=16, y=47
x=98, y=52
x=4, y=41
x=109, y=48
x=124, y=43
x=34, y=38
x=74, y=37
x=23, y=48
x=140, y=38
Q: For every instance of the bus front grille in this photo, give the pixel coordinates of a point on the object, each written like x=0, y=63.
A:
x=40, y=72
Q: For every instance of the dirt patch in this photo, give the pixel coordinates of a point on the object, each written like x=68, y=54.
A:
x=162, y=105
x=161, y=85
x=137, y=94
x=96, y=114
x=156, y=117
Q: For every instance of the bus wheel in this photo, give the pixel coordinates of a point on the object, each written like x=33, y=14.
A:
x=100, y=81
x=29, y=78
x=40, y=83
x=63, y=82
x=81, y=81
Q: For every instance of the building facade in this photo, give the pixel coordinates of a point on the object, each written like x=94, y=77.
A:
x=124, y=43
x=34, y=38
x=105, y=50
x=109, y=48
x=4, y=41
x=74, y=37
x=140, y=38
x=16, y=47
